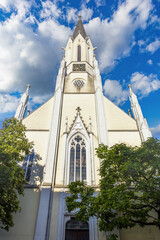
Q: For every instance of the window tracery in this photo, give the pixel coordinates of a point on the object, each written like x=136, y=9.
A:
x=77, y=159
x=78, y=83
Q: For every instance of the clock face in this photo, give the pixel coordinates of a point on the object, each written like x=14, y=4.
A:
x=79, y=67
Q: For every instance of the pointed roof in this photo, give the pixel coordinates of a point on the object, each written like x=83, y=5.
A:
x=79, y=28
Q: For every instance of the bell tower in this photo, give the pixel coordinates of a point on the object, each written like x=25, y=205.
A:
x=79, y=57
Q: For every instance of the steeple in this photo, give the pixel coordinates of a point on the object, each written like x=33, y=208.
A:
x=79, y=29
x=144, y=130
x=22, y=105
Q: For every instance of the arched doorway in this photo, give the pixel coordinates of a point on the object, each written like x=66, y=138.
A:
x=76, y=230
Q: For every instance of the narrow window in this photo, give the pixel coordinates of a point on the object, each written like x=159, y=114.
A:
x=79, y=53
x=71, y=176
x=27, y=166
x=77, y=159
x=77, y=162
x=83, y=164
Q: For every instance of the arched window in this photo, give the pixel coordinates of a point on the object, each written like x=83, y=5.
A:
x=76, y=230
x=77, y=159
x=79, y=53
x=27, y=165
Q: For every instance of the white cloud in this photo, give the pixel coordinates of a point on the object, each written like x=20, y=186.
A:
x=115, y=37
x=29, y=57
x=143, y=85
x=154, y=46
x=39, y=99
x=8, y=103
x=86, y=13
x=21, y=6
x=150, y=62
x=49, y=10
x=99, y=3
x=72, y=15
x=141, y=43
x=156, y=131
x=114, y=91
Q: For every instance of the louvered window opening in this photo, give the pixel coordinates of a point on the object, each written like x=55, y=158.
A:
x=79, y=54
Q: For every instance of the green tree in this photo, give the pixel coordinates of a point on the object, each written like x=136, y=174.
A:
x=129, y=189
x=14, y=145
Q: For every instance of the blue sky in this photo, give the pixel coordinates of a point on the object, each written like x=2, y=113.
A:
x=126, y=34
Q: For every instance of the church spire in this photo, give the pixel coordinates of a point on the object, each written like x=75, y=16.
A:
x=79, y=29
x=144, y=130
x=22, y=105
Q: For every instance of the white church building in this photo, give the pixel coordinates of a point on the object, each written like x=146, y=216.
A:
x=65, y=130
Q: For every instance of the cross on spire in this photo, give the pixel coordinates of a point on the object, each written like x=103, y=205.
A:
x=78, y=109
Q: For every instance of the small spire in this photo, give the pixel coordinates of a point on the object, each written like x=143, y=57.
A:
x=90, y=125
x=130, y=86
x=20, y=112
x=66, y=125
x=129, y=112
x=28, y=87
x=79, y=29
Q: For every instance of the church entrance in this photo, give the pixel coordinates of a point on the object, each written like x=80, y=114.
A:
x=76, y=230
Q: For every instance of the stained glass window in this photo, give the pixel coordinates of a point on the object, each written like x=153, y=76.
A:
x=72, y=164
x=77, y=159
x=27, y=165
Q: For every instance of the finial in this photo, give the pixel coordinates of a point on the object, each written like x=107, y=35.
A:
x=90, y=125
x=79, y=16
x=78, y=109
x=28, y=112
x=28, y=87
x=130, y=86
x=129, y=112
x=66, y=125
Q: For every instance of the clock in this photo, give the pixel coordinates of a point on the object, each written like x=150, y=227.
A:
x=79, y=67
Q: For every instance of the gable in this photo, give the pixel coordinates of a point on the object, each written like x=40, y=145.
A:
x=40, y=119
x=117, y=119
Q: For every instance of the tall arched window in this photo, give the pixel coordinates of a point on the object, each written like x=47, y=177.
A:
x=27, y=165
x=79, y=53
x=77, y=159
x=76, y=230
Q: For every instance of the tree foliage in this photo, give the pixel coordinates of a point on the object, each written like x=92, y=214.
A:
x=14, y=145
x=129, y=189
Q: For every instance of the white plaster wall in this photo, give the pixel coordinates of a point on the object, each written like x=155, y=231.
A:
x=117, y=119
x=138, y=233
x=54, y=216
x=71, y=50
x=87, y=88
x=40, y=143
x=41, y=117
x=131, y=138
x=70, y=102
x=25, y=220
x=79, y=40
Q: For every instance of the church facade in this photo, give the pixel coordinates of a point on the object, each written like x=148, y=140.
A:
x=66, y=130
